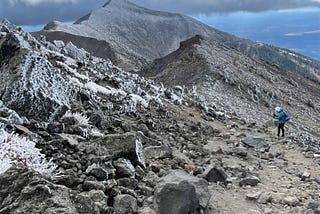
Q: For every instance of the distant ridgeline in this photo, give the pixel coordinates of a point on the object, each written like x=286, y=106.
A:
x=284, y=59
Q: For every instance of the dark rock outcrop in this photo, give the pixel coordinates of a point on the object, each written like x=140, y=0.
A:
x=181, y=193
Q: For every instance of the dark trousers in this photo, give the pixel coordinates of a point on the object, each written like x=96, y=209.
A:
x=281, y=128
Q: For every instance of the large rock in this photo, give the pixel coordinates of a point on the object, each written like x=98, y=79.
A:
x=157, y=152
x=119, y=145
x=256, y=143
x=215, y=174
x=124, y=168
x=29, y=84
x=99, y=199
x=249, y=181
x=25, y=191
x=180, y=193
x=97, y=171
x=125, y=204
x=291, y=200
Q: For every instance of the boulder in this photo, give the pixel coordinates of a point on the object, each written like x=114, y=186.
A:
x=256, y=143
x=215, y=175
x=260, y=197
x=312, y=204
x=124, y=168
x=180, y=193
x=25, y=191
x=253, y=196
x=140, y=173
x=130, y=183
x=92, y=185
x=157, y=152
x=99, y=199
x=264, y=198
x=249, y=181
x=145, y=190
x=119, y=145
x=291, y=200
x=84, y=204
x=55, y=127
x=71, y=140
x=125, y=204
x=97, y=171
x=68, y=180
x=306, y=175
x=146, y=210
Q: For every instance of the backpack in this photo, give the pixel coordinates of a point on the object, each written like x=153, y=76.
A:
x=287, y=116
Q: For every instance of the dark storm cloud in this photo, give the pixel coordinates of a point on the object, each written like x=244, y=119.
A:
x=39, y=12
x=194, y=7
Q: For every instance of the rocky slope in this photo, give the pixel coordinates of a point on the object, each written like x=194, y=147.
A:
x=238, y=83
x=80, y=135
x=138, y=35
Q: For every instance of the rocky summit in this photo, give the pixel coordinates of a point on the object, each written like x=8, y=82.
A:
x=79, y=134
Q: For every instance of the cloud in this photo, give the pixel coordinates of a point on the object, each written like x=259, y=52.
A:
x=303, y=33
x=37, y=2
x=196, y=7
x=40, y=12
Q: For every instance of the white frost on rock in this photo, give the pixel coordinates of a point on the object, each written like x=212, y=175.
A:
x=23, y=43
x=58, y=43
x=74, y=52
x=100, y=89
x=136, y=99
x=40, y=79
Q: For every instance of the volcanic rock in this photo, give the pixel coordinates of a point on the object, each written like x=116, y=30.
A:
x=179, y=192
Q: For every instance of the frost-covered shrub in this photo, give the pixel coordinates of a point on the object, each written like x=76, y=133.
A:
x=14, y=148
x=95, y=133
x=80, y=118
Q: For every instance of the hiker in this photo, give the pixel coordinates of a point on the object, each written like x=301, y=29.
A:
x=282, y=118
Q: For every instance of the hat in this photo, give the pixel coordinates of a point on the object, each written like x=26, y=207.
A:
x=278, y=109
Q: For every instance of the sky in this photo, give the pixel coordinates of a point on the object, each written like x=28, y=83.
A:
x=293, y=24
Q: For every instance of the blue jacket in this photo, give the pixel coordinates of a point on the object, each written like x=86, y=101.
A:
x=281, y=117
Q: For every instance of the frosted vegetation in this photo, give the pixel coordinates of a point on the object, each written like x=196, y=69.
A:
x=14, y=148
x=48, y=77
x=56, y=73
x=80, y=118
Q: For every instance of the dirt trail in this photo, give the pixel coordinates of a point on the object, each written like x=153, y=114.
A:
x=289, y=179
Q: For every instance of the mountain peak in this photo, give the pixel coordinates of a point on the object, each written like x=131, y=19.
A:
x=115, y=2
x=106, y=4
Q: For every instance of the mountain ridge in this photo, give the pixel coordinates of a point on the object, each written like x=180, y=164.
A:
x=226, y=76
x=139, y=35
